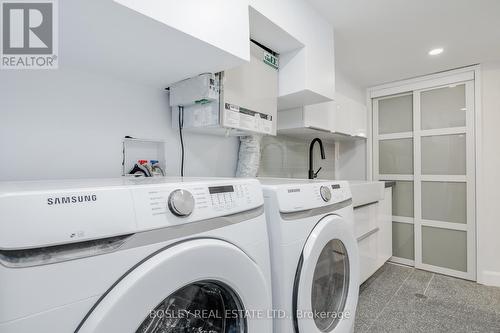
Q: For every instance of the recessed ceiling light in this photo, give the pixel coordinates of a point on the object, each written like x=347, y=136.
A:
x=436, y=51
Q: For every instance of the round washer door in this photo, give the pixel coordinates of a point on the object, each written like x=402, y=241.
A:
x=327, y=281
x=198, y=285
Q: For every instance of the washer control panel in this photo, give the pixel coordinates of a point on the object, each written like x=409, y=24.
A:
x=226, y=197
x=181, y=203
x=189, y=202
x=71, y=211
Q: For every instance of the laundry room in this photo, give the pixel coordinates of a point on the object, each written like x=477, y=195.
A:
x=249, y=166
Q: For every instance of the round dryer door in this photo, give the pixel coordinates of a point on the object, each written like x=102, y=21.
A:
x=202, y=285
x=327, y=281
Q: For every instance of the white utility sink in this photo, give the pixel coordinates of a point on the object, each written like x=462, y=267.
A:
x=366, y=192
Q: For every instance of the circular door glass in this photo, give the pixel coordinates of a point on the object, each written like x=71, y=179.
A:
x=204, y=306
x=330, y=285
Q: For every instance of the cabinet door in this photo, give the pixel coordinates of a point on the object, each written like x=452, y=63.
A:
x=359, y=120
x=342, y=118
x=366, y=230
x=368, y=259
x=344, y=115
x=210, y=27
x=319, y=116
x=365, y=219
x=350, y=117
x=385, y=225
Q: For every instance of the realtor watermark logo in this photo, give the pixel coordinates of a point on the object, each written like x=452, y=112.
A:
x=29, y=34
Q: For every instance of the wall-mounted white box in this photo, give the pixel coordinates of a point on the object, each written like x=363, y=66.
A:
x=142, y=149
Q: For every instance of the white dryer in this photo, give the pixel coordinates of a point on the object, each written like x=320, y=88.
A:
x=136, y=255
x=314, y=255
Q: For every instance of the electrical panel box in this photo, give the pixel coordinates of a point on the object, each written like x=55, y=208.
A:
x=203, y=88
x=239, y=101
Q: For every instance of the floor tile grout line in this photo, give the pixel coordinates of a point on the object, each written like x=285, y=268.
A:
x=375, y=279
x=379, y=276
x=488, y=323
x=390, y=300
x=429, y=283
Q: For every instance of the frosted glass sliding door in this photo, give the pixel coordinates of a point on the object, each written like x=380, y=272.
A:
x=424, y=140
x=394, y=160
x=445, y=180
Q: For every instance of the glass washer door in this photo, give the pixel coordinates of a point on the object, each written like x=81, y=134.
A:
x=186, y=279
x=327, y=279
x=204, y=306
x=330, y=284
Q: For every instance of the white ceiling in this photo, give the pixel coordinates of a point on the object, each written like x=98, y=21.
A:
x=378, y=41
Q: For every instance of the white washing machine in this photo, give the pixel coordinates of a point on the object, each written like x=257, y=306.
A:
x=137, y=255
x=314, y=255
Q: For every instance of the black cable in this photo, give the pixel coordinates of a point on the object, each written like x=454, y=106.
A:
x=181, y=124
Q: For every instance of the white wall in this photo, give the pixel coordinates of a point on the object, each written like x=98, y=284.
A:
x=345, y=85
x=69, y=124
x=351, y=163
x=488, y=223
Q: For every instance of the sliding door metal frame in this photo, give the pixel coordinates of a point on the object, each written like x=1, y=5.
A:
x=469, y=178
x=415, y=87
x=397, y=177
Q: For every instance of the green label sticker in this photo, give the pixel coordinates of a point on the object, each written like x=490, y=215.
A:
x=271, y=60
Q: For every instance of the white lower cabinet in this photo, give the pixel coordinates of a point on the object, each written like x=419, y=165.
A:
x=366, y=231
x=385, y=223
x=373, y=230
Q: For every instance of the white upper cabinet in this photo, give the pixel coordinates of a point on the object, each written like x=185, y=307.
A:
x=343, y=118
x=320, y=116
x=160, y=42
x=221, y=23
x=155, y=42
x=350, y=117
x=307, y=65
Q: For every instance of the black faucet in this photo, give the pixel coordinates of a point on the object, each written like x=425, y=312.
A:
x=313, y=174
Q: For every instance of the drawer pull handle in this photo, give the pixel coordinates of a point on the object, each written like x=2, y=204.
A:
x=368, y=234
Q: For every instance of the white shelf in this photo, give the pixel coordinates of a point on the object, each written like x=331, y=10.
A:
x=311, y=133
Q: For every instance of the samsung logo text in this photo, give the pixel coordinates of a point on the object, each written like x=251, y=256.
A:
x=71, y=199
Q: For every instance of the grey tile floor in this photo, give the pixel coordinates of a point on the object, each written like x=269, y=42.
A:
x=403, y=299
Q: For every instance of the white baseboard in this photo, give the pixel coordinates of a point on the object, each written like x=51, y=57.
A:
x=489, y=278
x=401, y=261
